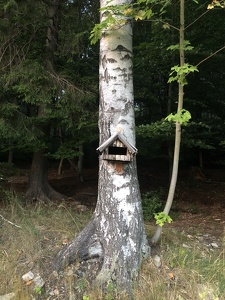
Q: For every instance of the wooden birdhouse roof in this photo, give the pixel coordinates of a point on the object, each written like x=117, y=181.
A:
x=112, y=139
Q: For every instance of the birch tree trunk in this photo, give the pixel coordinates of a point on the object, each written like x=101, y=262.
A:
x=116, y=232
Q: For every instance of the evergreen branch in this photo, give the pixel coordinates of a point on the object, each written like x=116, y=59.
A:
x=14, y=51
x=64, y=82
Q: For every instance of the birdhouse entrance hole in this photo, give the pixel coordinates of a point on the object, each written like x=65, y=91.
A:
x=117, y=150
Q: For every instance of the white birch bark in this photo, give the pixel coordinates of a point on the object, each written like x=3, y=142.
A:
x=116, y=234
x=118, y=210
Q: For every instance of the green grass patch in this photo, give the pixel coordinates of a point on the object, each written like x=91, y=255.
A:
x=35, y=235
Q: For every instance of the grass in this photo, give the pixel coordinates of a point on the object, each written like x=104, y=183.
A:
x=186, y=273
x=43, y=230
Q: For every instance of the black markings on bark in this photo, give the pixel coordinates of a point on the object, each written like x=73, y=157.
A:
x=126, y=57
x=109, y=130
x=121, y=48
x=104, y=62
x=106, y=75
x=127, y=108
x=123, y=121
x=119, y=69
x=111, y=60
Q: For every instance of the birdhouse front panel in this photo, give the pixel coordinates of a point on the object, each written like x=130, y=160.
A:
x=116, y=148
x=117, y=151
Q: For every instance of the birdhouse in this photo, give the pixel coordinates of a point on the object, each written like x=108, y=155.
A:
x=117, y=148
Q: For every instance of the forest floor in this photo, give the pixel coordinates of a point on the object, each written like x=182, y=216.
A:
x=199, y=201
x=198, y=216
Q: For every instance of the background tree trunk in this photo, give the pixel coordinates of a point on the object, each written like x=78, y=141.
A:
x=39, y=188
x=10, y=156
x=80, y=163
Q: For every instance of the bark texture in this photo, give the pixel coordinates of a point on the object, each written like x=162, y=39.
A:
x=115, y=235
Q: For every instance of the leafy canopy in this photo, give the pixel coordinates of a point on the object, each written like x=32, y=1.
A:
x=116, y=16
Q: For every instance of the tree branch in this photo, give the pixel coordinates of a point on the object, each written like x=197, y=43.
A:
x=196, y=19
x=163, y=22
x=208, y=57
x=64, y=82
x=10, y=222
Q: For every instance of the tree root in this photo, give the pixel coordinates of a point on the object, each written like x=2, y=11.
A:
x=88, y=251
x=45, y=194
x=84, y=247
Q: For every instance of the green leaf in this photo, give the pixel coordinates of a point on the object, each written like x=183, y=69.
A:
x=216, y=3
x=182, y=116
x=98, y=29
x=166, y=26
x=148, y=14
x=10, y=4
x=181, y=72
x=186, y=46
x=140, y=15
x=162, y=218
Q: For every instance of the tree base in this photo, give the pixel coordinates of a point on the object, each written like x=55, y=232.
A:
x=88, y=251
x=84, y=247
x=45, y=194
